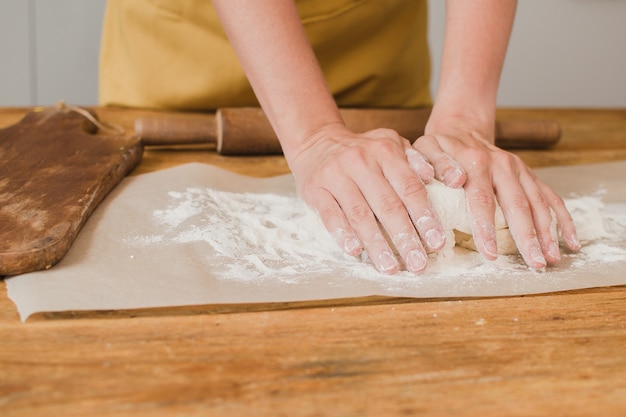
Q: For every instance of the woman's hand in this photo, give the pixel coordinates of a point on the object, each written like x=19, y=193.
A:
x=353, y=180
x=365, y=186
x=494, y=174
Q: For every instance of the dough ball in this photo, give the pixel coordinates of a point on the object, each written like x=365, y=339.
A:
x=504, y=240
x=450, y=205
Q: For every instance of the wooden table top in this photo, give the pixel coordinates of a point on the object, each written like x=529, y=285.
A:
x=552, y=354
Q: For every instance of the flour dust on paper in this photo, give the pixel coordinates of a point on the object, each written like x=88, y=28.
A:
x=250, y=236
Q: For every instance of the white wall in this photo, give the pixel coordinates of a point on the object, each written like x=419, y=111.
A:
x=49, y=51
x=15, y=75
x=563, y=53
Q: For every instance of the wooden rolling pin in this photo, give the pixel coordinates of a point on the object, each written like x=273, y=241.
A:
x=247, y=131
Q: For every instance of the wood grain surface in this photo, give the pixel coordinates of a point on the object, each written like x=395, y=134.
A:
x=557, y=354
x=54, y=171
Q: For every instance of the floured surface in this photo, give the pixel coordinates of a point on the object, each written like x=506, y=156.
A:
x=196, y=235
x=255, y=236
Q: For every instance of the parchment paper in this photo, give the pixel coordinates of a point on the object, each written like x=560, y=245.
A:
x=105, y=270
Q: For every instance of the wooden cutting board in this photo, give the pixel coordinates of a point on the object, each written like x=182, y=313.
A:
x=54, y=171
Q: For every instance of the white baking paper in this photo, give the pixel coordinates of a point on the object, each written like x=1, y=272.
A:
x=164, y=239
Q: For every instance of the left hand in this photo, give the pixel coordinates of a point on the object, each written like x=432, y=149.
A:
x=494, y=174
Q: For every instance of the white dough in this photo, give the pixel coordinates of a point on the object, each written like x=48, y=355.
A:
x=450, y=205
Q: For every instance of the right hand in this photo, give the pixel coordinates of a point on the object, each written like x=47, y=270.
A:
x=359, y=183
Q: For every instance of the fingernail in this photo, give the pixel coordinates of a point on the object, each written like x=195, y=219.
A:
x=351, y=245
x=536, y=255
x=387, y=263
x=427, y=174
x=554, y=251
x=491, y=248
x=434, y=239
x=416, y=261
x=573, y=242
x=452, y=177
x=420, y=165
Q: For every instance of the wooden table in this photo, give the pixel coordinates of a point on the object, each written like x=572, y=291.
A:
x=555, y=354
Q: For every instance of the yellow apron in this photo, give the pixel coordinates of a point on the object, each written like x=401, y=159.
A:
x=173, y=54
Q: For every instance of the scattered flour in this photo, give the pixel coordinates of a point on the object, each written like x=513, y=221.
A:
x=255, y=236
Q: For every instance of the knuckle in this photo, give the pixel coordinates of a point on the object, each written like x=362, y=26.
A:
x=309, y=190
x=511, y=164
x=385, y=133
x=387, y=143
x=425, y=140
x=387, y=148
x=515, y=204
x=540, y=202
x=476, y=160
x=390, y=204
x=555, y=201
x=519, y=202
x=480, y=197
x=360, y=213
x=411, y=187
x=442, y=158
x=479, y=156
x=357, y=155
x=328, y=214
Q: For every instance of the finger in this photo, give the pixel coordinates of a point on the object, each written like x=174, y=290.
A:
x=336, y=223
x=481, y=207
x=542, y=218
x=419, y=164
x=387, y=188
x=413, y=200
x=517, y=210
x=563, y=218
x=414, y=197
x=395, y=220
x=481, y=203
x=363, y=222
x=447, y=170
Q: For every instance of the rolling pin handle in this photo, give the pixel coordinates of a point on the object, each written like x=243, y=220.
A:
x=178, y=129
x=527, y=134
x=245, y=131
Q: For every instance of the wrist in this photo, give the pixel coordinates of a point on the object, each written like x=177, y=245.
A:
x=301, y=130
x=297, y=144
x=474, y=117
